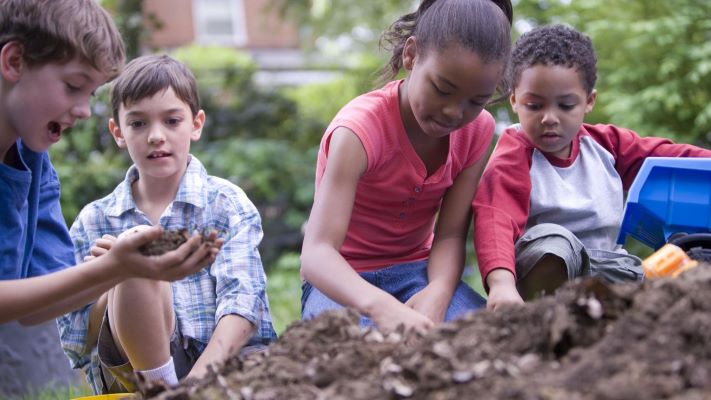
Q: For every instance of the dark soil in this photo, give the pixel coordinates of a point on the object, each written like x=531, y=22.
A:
x=168, y=241
x=590, y=341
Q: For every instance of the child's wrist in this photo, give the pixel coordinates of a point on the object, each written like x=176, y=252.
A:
x=371, y=305
x=500, y=277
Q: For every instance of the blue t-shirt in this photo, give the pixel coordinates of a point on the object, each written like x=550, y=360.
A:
x=34, y=239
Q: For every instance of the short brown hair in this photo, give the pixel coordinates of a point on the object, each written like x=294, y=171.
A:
x=59, y=30
x=147, y=75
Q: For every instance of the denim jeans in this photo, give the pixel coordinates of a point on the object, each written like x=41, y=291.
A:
x=402, y=281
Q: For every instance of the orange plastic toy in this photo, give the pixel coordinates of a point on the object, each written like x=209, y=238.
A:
x=669, y=261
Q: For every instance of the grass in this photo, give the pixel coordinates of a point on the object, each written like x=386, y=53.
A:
x=58, y=393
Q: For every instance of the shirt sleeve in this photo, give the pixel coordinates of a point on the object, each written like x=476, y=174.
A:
x=630, y=150
x=239, y=276
x=74, y=326
x=53, y=250
x=501, y=205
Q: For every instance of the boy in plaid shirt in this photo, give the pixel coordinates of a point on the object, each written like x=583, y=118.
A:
x=160, y=330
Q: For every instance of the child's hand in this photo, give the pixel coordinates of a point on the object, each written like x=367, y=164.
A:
x=189, y=258
x=502, y=289
x=388, y=318
x=101, y=247
x=430, y=302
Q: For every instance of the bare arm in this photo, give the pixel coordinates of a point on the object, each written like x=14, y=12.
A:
x=37, y=299
x=230, y=334
x=446, y=261
x=321, y=262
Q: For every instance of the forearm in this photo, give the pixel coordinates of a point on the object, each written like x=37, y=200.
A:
x=446, y=263
x=67, y=304
x=38, y=299
x=500, y=276
x=231, y=333
x=325, y=268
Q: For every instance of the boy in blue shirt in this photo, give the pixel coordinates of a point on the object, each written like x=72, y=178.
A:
x=159, y=330
x=53, y=55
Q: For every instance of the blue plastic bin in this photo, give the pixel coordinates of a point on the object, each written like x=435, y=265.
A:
x=669, y=195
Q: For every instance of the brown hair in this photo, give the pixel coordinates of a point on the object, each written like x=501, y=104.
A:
x=483, y=26
x=147, y=75
x=59, y=30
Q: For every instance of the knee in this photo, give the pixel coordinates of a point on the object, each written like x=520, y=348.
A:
x=547, y=229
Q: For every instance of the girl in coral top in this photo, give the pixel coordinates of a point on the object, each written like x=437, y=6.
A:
x=397, y=170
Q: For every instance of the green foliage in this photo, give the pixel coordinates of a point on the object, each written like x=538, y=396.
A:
x=360, y=21
x=284, y=288
x=59, y=393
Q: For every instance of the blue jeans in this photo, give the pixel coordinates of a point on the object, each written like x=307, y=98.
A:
x=402, y=281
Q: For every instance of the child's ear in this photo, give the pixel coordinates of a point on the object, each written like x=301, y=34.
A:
x=11, y=61
x=512, y=100
x=198, y=123
x=115, y=130
x=590, y=101
x=409, y=52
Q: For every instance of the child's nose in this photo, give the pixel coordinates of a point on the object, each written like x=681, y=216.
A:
x=156, y=135
x=453, y=112
x=549, y=118
x=82, y=110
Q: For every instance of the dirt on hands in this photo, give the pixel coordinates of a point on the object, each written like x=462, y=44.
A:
x=168, y=241
x=590, y=341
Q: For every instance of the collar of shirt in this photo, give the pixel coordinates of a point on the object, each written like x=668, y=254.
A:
x=190, y=190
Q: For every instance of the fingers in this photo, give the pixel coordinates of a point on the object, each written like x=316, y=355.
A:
x=140, y=235
x=135, y=229
x=189, y=258
x=102, y=246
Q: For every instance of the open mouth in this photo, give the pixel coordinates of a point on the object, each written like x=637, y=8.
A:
x=54, y=130
x=158, y=154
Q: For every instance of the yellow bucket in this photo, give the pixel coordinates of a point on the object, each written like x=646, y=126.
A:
x=112, y=396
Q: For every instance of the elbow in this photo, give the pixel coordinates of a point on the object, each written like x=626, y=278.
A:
x=309, y=262
x=306, y=266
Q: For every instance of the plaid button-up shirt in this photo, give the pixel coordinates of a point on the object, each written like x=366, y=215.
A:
x=234, y=284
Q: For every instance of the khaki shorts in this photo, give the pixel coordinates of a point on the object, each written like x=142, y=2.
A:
x=118, y=374
x=552, y=239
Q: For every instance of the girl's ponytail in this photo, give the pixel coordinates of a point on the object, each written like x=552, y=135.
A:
x=482, y=26
x=506, y=7
x=394, y=39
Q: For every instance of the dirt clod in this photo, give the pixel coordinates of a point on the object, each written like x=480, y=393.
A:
x=591, y=341
x=168, y=241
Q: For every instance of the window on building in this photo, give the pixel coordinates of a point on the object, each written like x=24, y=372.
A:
x=220, y=22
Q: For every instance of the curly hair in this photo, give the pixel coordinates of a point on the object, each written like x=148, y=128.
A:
x=555, y=45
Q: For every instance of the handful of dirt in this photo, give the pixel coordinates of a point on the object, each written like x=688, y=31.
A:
x=168, y=241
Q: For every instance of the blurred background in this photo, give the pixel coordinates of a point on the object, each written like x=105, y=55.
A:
x=272, y=74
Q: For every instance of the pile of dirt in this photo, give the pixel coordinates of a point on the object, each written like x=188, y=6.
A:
x=590, y=341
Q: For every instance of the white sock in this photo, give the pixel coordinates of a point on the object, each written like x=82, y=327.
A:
x=165, y=373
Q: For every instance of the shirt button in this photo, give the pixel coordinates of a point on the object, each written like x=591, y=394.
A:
x=418, y=189
x=402, y=215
